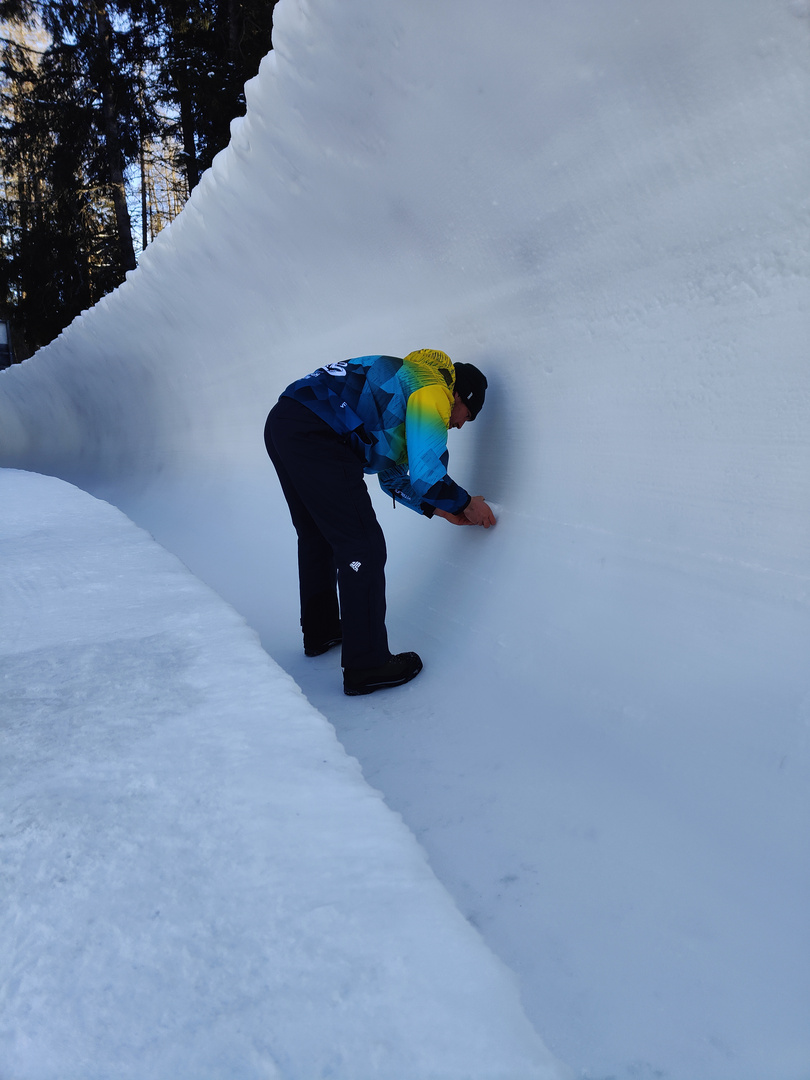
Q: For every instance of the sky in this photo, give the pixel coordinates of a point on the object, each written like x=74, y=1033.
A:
x=605, y=758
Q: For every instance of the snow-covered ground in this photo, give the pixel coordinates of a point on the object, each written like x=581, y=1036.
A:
x=605, y=207
x=197, y=881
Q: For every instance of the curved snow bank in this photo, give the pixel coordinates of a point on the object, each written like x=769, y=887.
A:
x=605, y=207
x=197, y=881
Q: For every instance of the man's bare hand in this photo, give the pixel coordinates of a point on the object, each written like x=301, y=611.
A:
x=478, y=513
x=454, y=519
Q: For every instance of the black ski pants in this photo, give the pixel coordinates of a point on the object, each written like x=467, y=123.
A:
x=341, y=547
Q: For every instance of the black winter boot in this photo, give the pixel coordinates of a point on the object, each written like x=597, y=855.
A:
x=397, y=670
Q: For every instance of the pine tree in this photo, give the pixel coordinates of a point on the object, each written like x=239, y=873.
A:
x=105, y=125
x=213, y=47
x=71, y=123
x=59, y=223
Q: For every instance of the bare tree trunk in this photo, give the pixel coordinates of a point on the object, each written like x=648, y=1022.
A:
x=115, y=158
x=144, y=203
x=234, y=28
x=187, y=127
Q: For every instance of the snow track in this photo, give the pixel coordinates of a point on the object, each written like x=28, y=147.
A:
x=606, y=757
x=197, y=881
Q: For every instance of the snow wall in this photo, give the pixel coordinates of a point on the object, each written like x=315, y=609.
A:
x=605, y=207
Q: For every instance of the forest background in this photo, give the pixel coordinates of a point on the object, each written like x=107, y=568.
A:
x=109, y=114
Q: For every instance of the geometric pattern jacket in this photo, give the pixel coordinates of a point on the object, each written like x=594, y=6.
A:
x=395, y=414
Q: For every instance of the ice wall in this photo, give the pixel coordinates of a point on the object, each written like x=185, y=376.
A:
x=604, y=207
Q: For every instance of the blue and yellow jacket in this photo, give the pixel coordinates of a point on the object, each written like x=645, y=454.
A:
x=395, y=413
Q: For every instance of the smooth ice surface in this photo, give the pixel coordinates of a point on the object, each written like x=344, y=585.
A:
x=605, y=206
x=197, y=881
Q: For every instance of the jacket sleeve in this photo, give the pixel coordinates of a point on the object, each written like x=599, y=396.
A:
x=396, y=483
x=426, y=423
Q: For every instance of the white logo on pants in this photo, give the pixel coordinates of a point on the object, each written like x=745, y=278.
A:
x=355, y=566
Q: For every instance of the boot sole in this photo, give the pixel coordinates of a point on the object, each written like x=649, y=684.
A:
x=369, y=688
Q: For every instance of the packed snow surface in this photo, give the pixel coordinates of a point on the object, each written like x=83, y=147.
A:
x=197, y=881
x=605, y=207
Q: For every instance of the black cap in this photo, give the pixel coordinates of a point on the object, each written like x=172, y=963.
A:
x=471, y=387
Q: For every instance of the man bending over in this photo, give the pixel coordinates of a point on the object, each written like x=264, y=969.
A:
x=372, y=414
